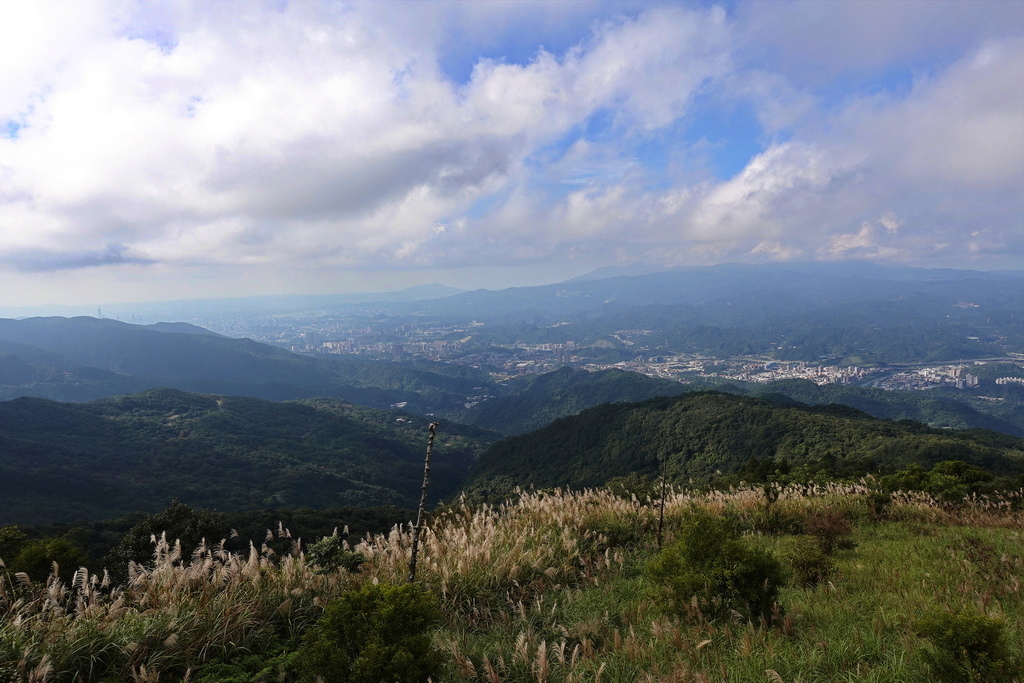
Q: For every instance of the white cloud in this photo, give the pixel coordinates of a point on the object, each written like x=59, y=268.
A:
x=306, y=132
x=750, y=203
x=327, y=134
x=964, y=127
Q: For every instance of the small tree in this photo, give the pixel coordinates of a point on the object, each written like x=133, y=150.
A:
x=331, y=553
x=37, y=557
x=11, y=541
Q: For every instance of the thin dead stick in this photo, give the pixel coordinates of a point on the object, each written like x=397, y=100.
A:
x=423, y=502
x=661, y=510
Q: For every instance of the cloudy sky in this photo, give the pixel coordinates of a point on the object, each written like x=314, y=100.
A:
x=180, y=149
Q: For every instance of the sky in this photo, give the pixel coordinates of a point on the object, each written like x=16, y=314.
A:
x=203, y=149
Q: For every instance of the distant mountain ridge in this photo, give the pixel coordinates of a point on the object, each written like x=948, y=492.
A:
x=812, y=285
x=853, y=313
x=86, y=358
x=82, y=359
x=191, y=307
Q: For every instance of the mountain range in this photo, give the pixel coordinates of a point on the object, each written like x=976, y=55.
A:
x=83, y=358
x=61, y=462
x=100, y=418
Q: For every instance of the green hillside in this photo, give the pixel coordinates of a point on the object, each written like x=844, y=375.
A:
x=1001, y=409
x=706, y=434
x=62, y=462
x=539, y=399
x=535, y=401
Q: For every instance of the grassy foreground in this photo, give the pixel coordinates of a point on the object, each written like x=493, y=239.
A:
x=554, y=587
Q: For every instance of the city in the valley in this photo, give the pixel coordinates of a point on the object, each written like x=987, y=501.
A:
x=639, y=351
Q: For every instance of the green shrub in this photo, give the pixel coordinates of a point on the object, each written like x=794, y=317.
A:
x=879, y=504
x=330, y=553
x=712, y=566
x=219, y=672
x=378, y=634
x=11, y=541
x=635, y=484
x=178, y=521
x=967, y=647
x=774, y=521
x=266, y=666
x=949, y=480
x=808, y=563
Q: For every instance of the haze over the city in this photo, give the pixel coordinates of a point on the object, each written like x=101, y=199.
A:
x=154, y=151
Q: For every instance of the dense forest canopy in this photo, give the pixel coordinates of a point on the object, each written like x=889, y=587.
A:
x=64, y=462
x=706, y=434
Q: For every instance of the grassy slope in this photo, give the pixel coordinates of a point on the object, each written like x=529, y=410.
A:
x=859, y=627
x=553, y=589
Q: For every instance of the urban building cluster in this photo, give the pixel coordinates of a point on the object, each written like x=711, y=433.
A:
x=819, y=374
x=931, y=377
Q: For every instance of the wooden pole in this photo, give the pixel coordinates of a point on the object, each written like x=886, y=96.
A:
x=423, y=502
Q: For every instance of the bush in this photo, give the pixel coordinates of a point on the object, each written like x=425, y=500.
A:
x=178, y=521
x=712, y=565
x=256, y=668
x=330, y=553
x=808, y=563
x=967, y=647
x=949, y=480
x=832, y=529
x=378, y=634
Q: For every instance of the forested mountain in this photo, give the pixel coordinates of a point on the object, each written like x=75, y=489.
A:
x=116, y=456
x=79, y=359
x=535, y=401
x=706, y=434
x=1001, y=410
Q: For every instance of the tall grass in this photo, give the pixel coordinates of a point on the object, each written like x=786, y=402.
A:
x=550, y=587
